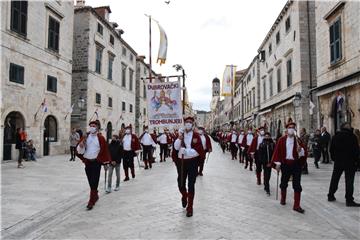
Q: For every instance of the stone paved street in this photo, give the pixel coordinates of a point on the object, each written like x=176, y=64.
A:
x=47, y=199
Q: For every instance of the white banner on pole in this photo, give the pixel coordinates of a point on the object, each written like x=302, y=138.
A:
x=164, y=104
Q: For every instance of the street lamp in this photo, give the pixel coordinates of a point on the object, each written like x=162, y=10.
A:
x=178, y=67
x=296, y=102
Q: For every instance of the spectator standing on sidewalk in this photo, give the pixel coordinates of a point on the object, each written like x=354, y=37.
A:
x=20, y=145
x=304, y=137
x=30, y=151
x=344, y=150
x=73, y=139
x=94, y=152
x=116, y=152
x=325, y=140
x=316, y=147
x=357, y=134
x=266, y=150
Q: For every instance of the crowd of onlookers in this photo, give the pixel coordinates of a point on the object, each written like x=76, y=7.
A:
x=26, y=148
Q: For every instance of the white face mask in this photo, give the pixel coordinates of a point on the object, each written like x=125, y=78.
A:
x=234, y=132
x=93, y=130
x=249, y=132
x=127, y=131
x=146, y=130
x=201, y=132
x=291, y=131
x=262, y=132
x=188, y=126
x=242, y=133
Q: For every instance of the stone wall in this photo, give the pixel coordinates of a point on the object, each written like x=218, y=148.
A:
x=38, y=61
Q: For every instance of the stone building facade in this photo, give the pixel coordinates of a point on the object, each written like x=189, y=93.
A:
x=36, y=57
x=104, y=67
x=287, y=59
x=338, y=63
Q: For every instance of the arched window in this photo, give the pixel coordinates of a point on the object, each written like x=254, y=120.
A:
x=51, y=129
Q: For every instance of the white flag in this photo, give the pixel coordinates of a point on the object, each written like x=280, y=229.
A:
x=228, y=80
x=312, y=106
x=163, y=46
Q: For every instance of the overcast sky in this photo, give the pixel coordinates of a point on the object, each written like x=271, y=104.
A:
x=203, y=35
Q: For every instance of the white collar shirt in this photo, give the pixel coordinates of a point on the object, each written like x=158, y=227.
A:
x=289, y=148
x=92, y=147
x=147, y=140
x=127, y=142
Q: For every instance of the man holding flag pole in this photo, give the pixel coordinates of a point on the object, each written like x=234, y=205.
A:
x=206, y=142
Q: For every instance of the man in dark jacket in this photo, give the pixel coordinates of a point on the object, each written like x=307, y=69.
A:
x=324, y=140
x=116, y=151
x=316, y=148
x=344, y=151
x=266, y=150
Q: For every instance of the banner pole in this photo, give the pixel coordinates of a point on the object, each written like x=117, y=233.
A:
x=150, y=50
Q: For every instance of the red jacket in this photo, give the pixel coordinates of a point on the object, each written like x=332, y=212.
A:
x=280, y=151
x=229, y=137
x=253, y=146
x=153, y=135
x=169, y=138
x=103, y=156
x=135, y=143
x=195, y=144
x=244, y=141
x=208, y=144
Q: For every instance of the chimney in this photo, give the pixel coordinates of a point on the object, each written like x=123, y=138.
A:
x=119, y=31
x=80, y=3
x=103, y=12
x=141, y=57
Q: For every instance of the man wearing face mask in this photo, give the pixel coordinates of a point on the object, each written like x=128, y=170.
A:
x=131, y=145
x=290, y=156
x=253, y=151
x=206, y=142
x=233, y=138
x=147, y=144
x=187, y=152
x=246, y=144
x=93, y=151
x=241, y=148
x=163, y=140
x=266, y=150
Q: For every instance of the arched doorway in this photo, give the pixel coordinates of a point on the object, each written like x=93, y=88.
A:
x=13, y=121
x=109, y=132
x=50, y=133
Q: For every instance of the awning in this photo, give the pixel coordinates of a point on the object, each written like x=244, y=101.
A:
x=285, y=103
x=263, y=112
x=338, y=86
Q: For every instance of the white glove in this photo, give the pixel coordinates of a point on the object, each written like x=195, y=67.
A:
x=302, y=152
x=277, y=166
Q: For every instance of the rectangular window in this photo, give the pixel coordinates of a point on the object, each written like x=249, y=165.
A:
x=16, y=73
x=144, y=112
x=53, y=34
x=131, y=79
x=98, y=59
x=270, y=84
x=112, y=40
x=278, y=37
x=289, y=73
x=131, y=57
x=18, y=22
x=51, y=84
x=100, y=29
x=264, y=89
x=253, y=97
x=110, y=102
x=278, y=79
x=110, y=68
x=144, y=90
x=123, y=51
x=98, y=98
x=123, y=75
x=335, y=42
x=131, y=108
x=287, y=24
x=270, y=49
x=123, y=106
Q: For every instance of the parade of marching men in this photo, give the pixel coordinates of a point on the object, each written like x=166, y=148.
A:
x=145, y=120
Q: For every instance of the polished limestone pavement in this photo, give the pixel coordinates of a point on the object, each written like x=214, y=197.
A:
x=47, y=200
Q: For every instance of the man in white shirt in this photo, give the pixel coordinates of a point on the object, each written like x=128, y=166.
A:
x=93, y=151
x=233, y=141
x=188, y=151
x=131, y=146
x=163, y=141
x=241, y=148
x=147, y=144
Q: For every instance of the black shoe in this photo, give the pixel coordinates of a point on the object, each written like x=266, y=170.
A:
x=316, y=165
x=268, y=193
x=184, y=202
x=352, y=204
x=331, y=198
x=146, y=167
x=126, y=179
x=299, y=210
x=189, y=213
